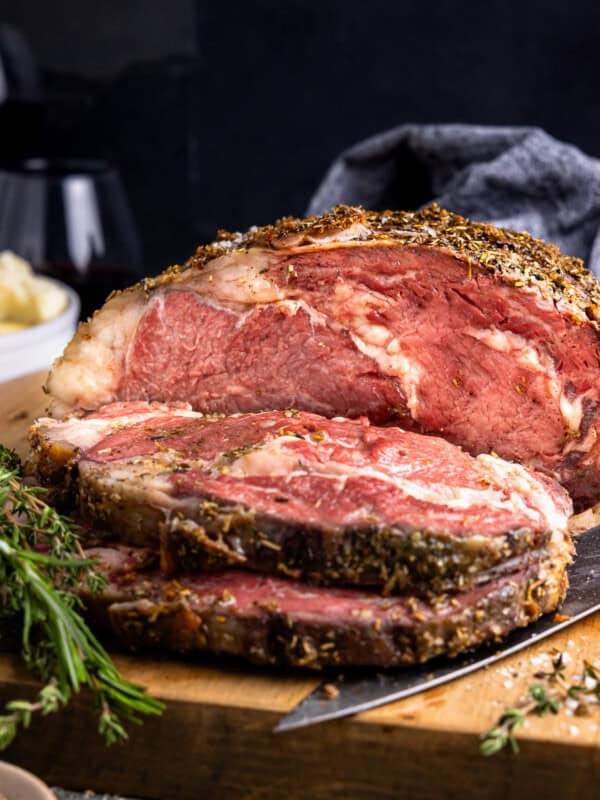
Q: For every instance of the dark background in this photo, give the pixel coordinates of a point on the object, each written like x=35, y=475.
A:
x=227, y=114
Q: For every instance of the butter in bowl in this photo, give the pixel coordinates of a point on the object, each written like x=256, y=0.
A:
x=38, y=316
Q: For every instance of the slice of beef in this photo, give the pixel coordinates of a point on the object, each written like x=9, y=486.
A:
x=485, y=336
x=329, y=500
x=280, y=621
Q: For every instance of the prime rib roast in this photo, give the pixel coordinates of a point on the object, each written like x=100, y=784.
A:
x=336, y=440
x=421, y=319
x=424, y=548
x=297, y=494
x=281, y=621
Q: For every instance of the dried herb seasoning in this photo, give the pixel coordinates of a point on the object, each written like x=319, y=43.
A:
x=515, y=256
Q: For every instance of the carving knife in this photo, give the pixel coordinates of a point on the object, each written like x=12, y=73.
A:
x=360, y=691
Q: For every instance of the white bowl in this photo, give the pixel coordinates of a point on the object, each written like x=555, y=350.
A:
x=17, y=784
x=35, y=348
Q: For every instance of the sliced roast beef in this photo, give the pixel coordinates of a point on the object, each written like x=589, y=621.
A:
x=281, y=621
x=294, y=493
x=424, y=319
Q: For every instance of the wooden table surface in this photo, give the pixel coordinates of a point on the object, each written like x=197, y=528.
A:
x=215, y=738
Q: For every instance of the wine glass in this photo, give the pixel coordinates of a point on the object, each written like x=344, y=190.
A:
x=70, y=219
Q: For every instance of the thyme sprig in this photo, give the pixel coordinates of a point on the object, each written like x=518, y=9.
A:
x=578, y=696
x=41, y=563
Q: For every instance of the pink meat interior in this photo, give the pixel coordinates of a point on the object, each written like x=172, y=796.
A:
x=309, y=470
x=486, y=365
x=248, y=594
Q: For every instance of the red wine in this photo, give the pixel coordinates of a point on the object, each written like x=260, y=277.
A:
x=94, y=285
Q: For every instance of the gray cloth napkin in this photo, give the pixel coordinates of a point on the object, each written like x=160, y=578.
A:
x=518, y=178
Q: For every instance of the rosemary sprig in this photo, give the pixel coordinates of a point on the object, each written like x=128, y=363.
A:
x=558, y=693
x=41, y=563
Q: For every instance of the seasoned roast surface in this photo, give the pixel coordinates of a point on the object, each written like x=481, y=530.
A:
x=329, y=500
x=281, y=621
x=407, y=546
x=423, y=319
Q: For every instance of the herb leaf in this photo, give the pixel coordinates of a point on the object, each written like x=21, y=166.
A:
x=556, y=694
x=41, y=563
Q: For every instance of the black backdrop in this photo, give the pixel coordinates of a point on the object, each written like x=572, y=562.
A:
x=225, y=114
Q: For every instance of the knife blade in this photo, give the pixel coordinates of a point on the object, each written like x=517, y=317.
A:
x=361, y=691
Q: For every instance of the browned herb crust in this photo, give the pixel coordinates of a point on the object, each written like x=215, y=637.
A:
x=515, y=257
x=152, y=614
x=218, y=535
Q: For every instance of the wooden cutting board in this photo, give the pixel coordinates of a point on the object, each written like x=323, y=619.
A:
x=215, y=739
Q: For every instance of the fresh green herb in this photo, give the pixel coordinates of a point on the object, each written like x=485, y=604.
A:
x=503, y=733
x=41, y=563
x=558, y=693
